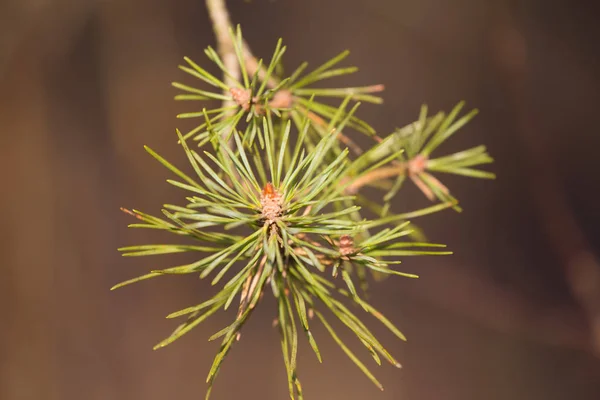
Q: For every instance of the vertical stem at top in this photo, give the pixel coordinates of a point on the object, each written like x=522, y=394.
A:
x=221, y=23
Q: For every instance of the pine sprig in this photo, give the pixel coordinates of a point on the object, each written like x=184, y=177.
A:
x=273, y=200
x=290, y=98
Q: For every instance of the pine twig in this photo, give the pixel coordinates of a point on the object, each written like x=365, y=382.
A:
x=298, y=225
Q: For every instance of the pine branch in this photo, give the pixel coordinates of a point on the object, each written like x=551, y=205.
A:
x=273, y=164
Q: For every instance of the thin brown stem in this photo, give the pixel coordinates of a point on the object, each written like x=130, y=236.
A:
x=221, y=23
x=375, y=175
x=435, y=182
x=422, y=187
x=250, y=286
x=257, y=276
x=321, y=122
x=414, y=168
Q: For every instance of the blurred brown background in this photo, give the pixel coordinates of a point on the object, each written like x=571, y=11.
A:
x=514, y=314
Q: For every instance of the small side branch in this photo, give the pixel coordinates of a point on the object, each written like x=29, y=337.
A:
x=375, y=175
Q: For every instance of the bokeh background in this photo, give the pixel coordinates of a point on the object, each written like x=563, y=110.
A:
x=514, y=314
